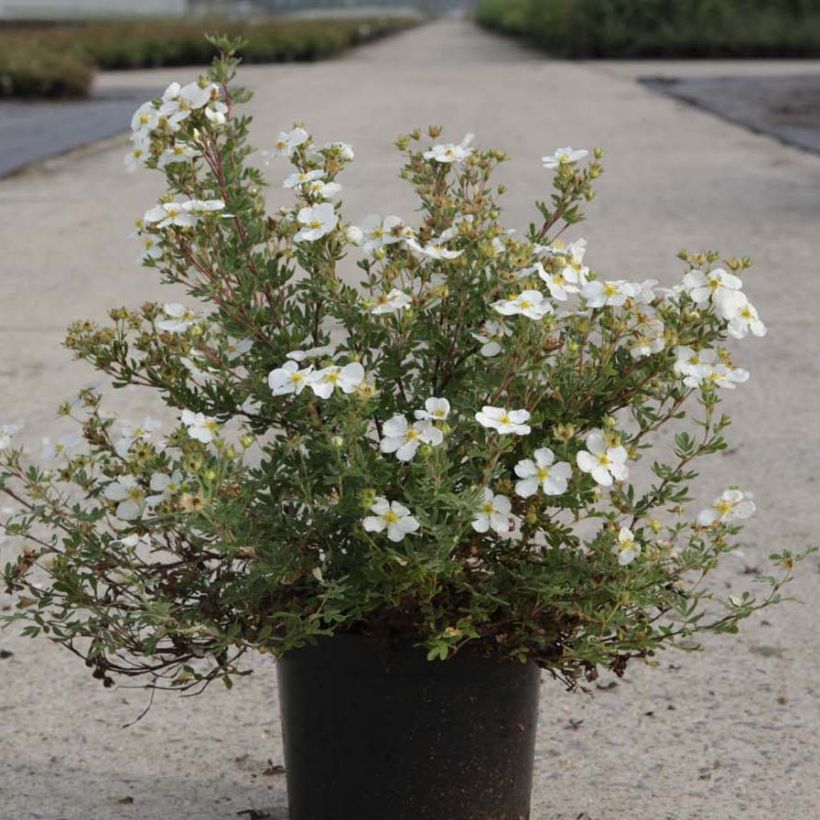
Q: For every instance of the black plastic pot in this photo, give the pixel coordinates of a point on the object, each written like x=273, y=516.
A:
x=371, y=735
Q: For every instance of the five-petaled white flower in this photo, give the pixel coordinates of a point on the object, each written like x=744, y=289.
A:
x=450, y=152
x=542, y=471
x=564, y=156
x=131, y=433
x=179, y=318
x=627, y=549
x=139, y=153
x=530, y=303
x=403, y=439
x=164, y=486
x=298, y=179
x=648, y=335
x=200, y=427
x=491, y=336
x=323, y=382
x=432, y=250
x=392, y=516
x=722, y=287
x=178, y=152
x=317, y=221
x=289, y=379
x=178, y=103
x=434, y=410
x=603, y=462
x=391, y=302
x=376, y=232
x=320, y=189
x=743, y=318
x=698, y=367
x=613, y=294
x=729, y=506
x=286, y=143
x=167, y=214
x=128, y=495
x=494, y=514
x=145, y=118
x=503, y=420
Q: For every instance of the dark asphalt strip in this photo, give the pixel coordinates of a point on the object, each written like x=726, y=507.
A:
x=34, y=131
x=784, y=107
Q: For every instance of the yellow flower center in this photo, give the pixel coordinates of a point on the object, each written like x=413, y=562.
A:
x=315, y=224
x=412, y=434
x=487, y=507
x=524, y=303
x=724, y=507
x=333, y=378
x=543, y=473
x=603, y=459
x=610, y=290
x=297, y=377
x=505, y=419
x=390, y=517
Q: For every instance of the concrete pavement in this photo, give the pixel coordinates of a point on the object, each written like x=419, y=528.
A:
x=732, y=733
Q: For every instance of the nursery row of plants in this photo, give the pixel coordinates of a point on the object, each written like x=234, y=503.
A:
x=661, y=28
x=60, y=61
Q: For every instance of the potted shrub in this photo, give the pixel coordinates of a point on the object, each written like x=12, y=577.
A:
x=416, y=492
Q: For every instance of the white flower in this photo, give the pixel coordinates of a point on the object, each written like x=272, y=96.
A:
x=648, y=336
x=743, y=318
x=150, y=248
x=704, y=366
x=722, y=287
x=604, y=463
x=391, y=302
x=216, y=111
x=298, y=179
x=318, y=221
x=129, y=495
x=494, y=514
x=321, y=190
x=730, y=506
x=393, y=516
x=145, y=119
x=433, y=250
x=541, y=471
x=178, y=103
x=178, y=152
x=614, y=294
x=347, y=379
x=491, y=336
x=170, y=213
x=234, y=348
x=179, y=318
x=434, y=410
x=288, y=379
x=286, y=143
x=403, y=439
x=202, y=207
x=200, y=427
x=66, y=445
x=627, y=549
x=342, y=149
x=563, y=156
x=164, y=487
x=376, y=232
x=130, y=433
x=7, y=432
x=645, y=291
x=139, y=153
x=530, y=303
x=449, y=152
x=503, y=420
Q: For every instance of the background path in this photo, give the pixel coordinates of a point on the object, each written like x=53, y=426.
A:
x=730, y=734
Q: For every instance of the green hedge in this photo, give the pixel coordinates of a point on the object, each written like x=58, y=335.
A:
x=59, y=61
x=661, y=28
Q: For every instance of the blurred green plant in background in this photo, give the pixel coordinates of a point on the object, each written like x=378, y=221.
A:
x=60, y=60
x=661, y=28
